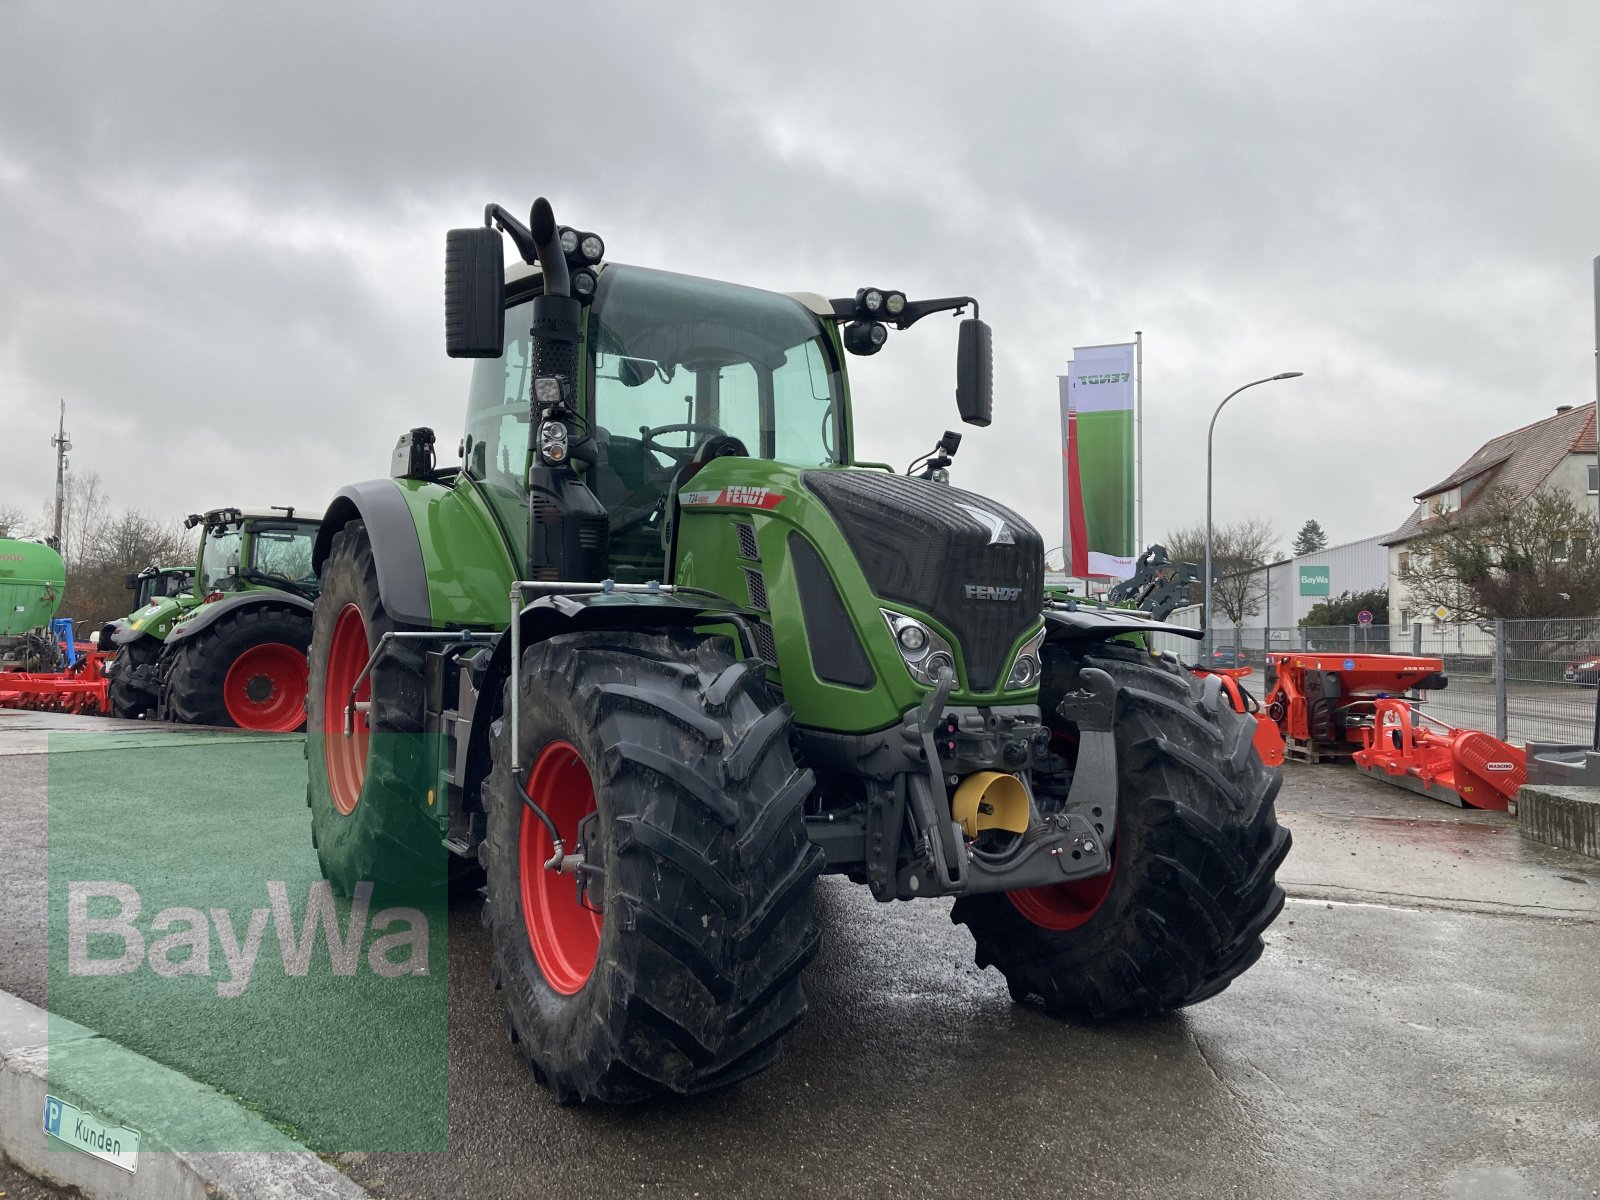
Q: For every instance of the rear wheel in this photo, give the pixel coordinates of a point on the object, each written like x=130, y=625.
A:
x=129, y=694
x=1191, y=889
x=246, y=669
x=675, y=967
x=367, y=791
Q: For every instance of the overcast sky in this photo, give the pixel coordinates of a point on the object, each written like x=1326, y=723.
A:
x=221, y=225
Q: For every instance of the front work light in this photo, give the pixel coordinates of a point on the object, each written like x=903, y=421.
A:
x=865, y=337
x=547, y=390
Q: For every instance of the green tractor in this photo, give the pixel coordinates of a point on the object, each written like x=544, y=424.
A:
x=222, y=643
x=660, y=652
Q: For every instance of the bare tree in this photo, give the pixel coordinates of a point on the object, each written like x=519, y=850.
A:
x=85, y=509
x=1530, y=561
x=1238, y=552
x=13, y=524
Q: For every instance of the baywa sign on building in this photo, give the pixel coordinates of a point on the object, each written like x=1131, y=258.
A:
x=1315, y=581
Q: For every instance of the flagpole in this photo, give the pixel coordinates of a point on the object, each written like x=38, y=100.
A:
x=1138, y=442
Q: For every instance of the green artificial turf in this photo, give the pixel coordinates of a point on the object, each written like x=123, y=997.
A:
x=341, y=1061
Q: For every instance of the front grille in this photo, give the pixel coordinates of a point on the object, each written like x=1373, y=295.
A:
x=925, y=543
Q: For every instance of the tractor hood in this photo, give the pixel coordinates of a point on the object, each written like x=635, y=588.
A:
x=974, y=564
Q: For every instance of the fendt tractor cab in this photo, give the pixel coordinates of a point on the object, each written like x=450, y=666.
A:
x=222, y=643
x=661, y=651
x=154, y=583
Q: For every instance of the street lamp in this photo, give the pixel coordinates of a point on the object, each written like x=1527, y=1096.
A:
x=1211, y=429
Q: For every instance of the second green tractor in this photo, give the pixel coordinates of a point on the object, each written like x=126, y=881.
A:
x=221, y=643
x=661, y=651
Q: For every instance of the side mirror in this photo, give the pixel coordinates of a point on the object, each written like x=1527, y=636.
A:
x=975, y=372
x=474, y=293
x=130, y=582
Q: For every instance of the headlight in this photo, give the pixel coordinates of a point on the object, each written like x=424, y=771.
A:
x=895, y=303
x=569, y=240
x=553, y=442
x=872, y=300
x=591, y=247
x=924, y=652
x=1025, y=668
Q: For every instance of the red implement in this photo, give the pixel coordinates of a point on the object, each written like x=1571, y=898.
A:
x=1268, y=740
x=78, y=689
x=1464, y=767
x=1321, y=702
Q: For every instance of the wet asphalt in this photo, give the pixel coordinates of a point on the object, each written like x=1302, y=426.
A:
x=1425, y=1022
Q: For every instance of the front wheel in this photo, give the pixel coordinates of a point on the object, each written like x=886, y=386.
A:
x=129, y=695
x=669, y=959
x=1181, y=913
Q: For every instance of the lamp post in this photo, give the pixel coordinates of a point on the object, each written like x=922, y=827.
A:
x=1211, y=429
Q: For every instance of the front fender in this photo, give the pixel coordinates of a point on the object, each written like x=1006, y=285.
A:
x=551, y=615
x=1091, y=623
x=209, y=614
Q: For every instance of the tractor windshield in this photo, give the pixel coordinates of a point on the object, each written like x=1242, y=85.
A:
x=219, y=558
x=713, y=359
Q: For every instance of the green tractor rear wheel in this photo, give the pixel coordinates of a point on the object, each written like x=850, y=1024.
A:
x=366, y=790
x=246, y=669
x=1191, y=889
x=676, y=966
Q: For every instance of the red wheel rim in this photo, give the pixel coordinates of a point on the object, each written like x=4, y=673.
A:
x=345, y=758
x=265, y=688
x=564, y=934
x=1063, y=906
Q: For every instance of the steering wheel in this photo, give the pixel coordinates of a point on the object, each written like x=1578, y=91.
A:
x=678, y=454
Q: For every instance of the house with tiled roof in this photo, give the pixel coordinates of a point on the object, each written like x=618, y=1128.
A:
x=1557, y=452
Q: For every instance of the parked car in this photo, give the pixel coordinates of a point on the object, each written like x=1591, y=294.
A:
x=1227, y=657
x=1583, y=671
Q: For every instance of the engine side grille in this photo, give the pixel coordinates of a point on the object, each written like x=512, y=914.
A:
x=758, y=589
x=748, y=546
x=944, y=551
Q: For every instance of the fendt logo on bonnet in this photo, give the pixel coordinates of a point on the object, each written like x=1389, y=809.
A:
x=999, y=532
x=985, y=591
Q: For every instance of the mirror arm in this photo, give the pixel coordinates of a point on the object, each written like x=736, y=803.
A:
x=521, y=237
x=844, y=309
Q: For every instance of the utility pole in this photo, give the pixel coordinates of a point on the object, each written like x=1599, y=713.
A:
x=62, y=446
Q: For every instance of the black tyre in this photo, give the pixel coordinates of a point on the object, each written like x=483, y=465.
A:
x=246, y=669
x=130, y=694
x=678, y=763
x=366, y=791
x=1181, y=914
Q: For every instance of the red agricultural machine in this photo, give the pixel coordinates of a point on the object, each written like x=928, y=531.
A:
x=1322, y=701
x=42, y=665
x=1346, y=706
x=1464, y=767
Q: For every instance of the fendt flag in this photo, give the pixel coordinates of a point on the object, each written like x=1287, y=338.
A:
x=1097, y=438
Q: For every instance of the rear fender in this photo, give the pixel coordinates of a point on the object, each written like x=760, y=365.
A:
x=208, y=614
x=396, y=550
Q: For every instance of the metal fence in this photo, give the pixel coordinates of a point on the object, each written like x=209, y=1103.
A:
x=1520, y=680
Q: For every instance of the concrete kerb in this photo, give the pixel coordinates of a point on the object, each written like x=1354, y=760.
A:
x=1562, y=815
x=124, y=1088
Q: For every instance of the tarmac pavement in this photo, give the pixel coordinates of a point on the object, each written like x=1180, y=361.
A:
x=1424, y=1023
